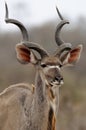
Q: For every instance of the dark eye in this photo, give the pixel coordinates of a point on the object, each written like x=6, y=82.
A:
x=43, y=65
x=60, y=65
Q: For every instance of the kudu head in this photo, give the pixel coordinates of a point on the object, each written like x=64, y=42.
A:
x=50, y=65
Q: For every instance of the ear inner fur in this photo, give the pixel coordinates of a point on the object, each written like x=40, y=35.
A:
x=75, y=54
x=72, y=56
x=24, y=54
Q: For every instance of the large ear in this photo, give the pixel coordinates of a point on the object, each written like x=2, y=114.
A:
x=25, y=55
x=71, y=57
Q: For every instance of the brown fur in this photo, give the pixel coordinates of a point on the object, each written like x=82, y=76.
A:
x=25, y=107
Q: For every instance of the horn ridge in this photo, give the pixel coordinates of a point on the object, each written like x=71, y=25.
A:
x=58, y=39
x=62, y=46
x=61, y=17
x=25, y=40
x=16, y=22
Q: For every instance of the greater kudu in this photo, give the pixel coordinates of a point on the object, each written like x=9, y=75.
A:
x=26, y=107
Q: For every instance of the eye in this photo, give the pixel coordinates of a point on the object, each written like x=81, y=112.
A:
x=60, y=65
x=43, y=65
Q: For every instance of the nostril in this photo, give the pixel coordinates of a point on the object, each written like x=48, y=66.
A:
x=59, y=78
x=56, y=78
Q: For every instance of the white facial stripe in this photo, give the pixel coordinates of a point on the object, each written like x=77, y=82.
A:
x=53, y=66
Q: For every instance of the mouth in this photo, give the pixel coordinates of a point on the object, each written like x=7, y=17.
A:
x=56, y=83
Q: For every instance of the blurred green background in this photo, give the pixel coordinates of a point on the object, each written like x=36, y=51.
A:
x=72, y=109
